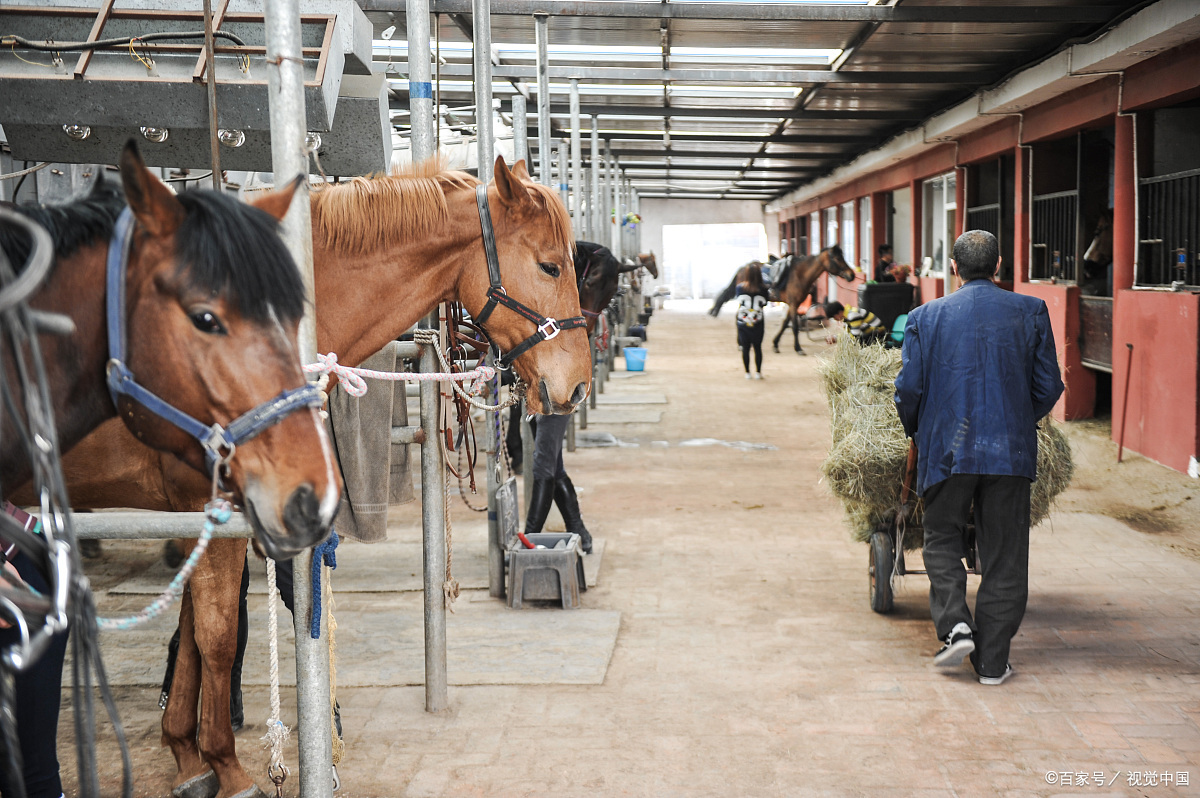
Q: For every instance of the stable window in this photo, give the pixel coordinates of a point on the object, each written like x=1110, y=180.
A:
x=1169, y=196
x=990, y=190
x=938, y=209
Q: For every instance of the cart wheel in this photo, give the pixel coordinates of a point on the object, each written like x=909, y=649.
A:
x=882, y=555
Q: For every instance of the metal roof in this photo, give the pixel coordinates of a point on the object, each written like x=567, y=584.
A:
x=687, y=117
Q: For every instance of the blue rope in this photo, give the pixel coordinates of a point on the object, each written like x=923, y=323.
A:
x=323, y=554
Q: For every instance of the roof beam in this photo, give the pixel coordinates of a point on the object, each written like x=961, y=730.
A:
x=815, y=159
x=658, y=111
x=776, y=12
x=746, y=77
x=684, y=137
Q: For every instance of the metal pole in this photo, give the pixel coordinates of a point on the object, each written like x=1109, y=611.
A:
x=541, y=23
x=610, y=202
x=433, y=538
x=564, y=188
x=482, y=51
x=289, y=157
x=577, y=162
x=527, y=443
x=595, y=203
x=420, y=85
x=210, y=61
x=520, y=129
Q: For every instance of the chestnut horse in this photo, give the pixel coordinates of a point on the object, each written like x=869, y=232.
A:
x=387, y=251
x=214, y=301
x=1097, y=258
x=796, y=281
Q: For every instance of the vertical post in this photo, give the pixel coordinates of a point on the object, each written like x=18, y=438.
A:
x=595, y=204
x=610, y=201
x=1021, y=219
x=917, y=231
x=482, y=49
x=420, y=84
x=520, y=129
x=564, y=187
x=211, y=81
x=577, y=161
x=526, y=457
x=541, y=23
x=289, y=157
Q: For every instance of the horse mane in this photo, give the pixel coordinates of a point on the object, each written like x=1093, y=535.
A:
x=71, y=226
x=368, y=214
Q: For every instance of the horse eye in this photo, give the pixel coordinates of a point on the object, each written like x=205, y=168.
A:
x=550, y=269
x=207, y=322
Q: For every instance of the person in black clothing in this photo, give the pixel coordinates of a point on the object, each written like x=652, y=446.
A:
x=883, y=269
x=751, y=296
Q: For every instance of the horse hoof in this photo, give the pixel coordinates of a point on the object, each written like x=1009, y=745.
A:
x=205, y=785
x=251, y=792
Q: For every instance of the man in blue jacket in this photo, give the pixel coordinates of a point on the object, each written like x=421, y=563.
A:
x=979, y=372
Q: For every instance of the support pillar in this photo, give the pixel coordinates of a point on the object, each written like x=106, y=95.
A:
x=541, y=23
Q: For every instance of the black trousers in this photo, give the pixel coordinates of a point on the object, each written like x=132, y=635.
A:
x=1001, y=505
x=751, y=338
x=38, y=694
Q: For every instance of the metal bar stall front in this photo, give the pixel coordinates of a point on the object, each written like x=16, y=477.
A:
x=289, y=157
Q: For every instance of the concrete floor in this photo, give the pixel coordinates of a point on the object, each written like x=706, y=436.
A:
x=746, y=659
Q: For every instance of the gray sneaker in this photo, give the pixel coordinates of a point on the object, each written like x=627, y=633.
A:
x=958, y=644
x=994, y=680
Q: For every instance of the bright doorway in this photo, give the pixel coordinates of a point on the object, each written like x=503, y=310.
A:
x=699, y=260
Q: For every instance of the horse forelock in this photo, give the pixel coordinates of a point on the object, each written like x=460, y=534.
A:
x=224, y=244
x=369, y=214
x=560, y=220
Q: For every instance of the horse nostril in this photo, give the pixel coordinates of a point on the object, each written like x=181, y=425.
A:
x=579, y=394
x=302, y=513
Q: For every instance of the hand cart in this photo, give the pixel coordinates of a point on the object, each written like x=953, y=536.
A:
x=886, y=550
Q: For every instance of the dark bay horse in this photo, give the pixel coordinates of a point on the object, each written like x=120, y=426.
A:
x=213, y=300
x=387, y=251
x=796, y=281
x=599, y=273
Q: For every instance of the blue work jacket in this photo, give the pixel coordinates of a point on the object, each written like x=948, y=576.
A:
x=979, y=371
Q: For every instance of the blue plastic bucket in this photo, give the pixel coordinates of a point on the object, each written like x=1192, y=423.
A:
x=635, y=358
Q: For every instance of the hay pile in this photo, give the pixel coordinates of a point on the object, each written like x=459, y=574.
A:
x=865, y=466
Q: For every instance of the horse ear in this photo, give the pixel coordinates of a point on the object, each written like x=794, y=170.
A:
x=151, y=201
x=520, y=170
x=278, y=201
x=507, y=185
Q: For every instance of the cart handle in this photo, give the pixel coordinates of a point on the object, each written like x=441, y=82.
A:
x=910, y=472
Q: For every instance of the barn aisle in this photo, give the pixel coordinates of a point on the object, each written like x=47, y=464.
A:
x=744, y=658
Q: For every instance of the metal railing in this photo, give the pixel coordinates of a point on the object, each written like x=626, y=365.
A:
x=1169, y=230
x=985, y=217
x=1055, y=232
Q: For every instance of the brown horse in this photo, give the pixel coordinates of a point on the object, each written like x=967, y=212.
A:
x=1097, y=258
x=599, y=273
x=796, y=281
x=214, y=301
x=387, y=251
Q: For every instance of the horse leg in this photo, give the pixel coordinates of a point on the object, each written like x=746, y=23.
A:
x=775, y=341
x=215, y=596
x=796, y=330
x=179, y=721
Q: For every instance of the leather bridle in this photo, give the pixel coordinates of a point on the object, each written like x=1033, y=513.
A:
x=547, y=328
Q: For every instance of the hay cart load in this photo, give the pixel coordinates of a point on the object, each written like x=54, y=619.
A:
x=871, y=465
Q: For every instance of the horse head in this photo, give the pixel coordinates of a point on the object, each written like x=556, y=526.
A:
x=648, y=262
x=214, y=301
x=533, y=245
x=1100, y=251
x=832, y=260
x=597, y=270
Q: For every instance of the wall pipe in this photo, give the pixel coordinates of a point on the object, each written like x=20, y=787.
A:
x=289, y=156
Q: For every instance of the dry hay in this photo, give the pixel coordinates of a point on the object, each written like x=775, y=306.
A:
x=865, y=465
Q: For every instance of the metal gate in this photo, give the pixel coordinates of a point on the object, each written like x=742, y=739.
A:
x=985, y=217
x=1170, y=229
x=1055, y=233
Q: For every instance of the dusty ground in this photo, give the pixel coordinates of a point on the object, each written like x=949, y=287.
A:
x=748, y=661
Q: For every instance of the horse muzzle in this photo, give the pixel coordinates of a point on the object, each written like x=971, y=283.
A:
x=303, y=525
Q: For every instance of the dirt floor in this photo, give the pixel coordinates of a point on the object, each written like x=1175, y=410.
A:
x=747, y=660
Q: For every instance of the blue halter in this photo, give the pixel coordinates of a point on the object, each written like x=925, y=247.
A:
x=218, y=442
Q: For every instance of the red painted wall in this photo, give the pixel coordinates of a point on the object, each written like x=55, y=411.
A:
x=1162, y=420
x=1062, y=302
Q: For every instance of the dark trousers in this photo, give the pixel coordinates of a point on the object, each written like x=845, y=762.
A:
x=37, y=700
x=1001, y=505
x=751, y=338
x=547, y=446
